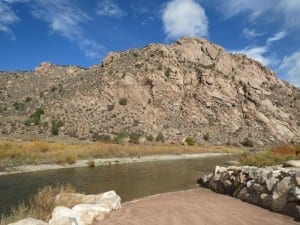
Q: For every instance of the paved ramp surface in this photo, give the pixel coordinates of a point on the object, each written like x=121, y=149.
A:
x=194, y=207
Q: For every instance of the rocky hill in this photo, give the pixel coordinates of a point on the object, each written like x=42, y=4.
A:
x=189, y=88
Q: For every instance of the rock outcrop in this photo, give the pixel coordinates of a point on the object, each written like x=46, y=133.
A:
x=189, y=88
x=276, y=188
x=88, y=209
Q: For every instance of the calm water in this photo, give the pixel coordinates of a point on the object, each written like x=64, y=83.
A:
x=130, y=181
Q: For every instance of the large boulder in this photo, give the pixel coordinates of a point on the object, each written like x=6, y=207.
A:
x=92, y=208
x=292, y=209
x=294, y=194
x=87, y=214
x=61, y=216
x=71, y=199
x=292, y=163
x=29, y=221
x=63, y=221
x=280, y=193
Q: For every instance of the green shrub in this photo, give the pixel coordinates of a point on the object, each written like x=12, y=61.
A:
x=19, y=106
x=206, y=137
x=134, y=138
x=160, y=137
x=149, y=138
x=190, y=141
x=55, y=125
x=119, y=138
x=247, y=142
x=102, y=137
x=209, y=67
x=35, y=118
x=168, y=72
x=160, y=66
x=53, y=89
x=123, y=101
x=28, y=99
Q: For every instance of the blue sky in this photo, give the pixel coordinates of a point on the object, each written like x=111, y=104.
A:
x=82, y=32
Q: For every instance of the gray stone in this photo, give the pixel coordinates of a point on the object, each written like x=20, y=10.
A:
x=265, y=200
x=217, y=177
x=250, y=183
x=243, y=177
x=271, y=182
x=297, y=177
x=63, y=221
x=219, y=169
x=243, y=194
x=247, y=196
x=263, y=175
x=203, y=181
x=61, y=211
x=292, y=163
x=253, y=173
x=29, y=221
x=259, y=188
x=274, y=174
x=292, y=209
x=224, y=177
x=238, y=190
x=294, y=194
x=110, y=200
x=87, y=214
x=280, y=193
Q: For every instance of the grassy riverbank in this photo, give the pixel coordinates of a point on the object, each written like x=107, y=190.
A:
x=14, y=153
x=40, y=205
x=274, y=156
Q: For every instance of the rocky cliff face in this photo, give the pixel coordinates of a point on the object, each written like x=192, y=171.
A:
x=189, y=88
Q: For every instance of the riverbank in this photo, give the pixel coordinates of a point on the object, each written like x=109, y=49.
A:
x=193, y=207
x=106, y=162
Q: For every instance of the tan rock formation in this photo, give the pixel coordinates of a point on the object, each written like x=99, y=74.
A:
x=189, y=88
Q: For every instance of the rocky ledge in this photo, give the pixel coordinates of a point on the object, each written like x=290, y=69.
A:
x=87, y=210
x=276, y=188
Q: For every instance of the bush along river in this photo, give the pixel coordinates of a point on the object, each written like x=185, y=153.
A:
x=130, y=181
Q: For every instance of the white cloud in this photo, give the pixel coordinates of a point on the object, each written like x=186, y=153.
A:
x=290, y=66
x=278, y=36
x=7, y=18
x=258, y=53
x=66, y=19
x=184, y=18
x=285, y=12
x=251, y=33
x=63, y=16
x=110, y=8
x=262, y=53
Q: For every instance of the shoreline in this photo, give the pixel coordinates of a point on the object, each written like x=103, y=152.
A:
x=107, y=162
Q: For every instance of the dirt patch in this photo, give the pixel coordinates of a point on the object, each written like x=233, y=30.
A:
x=195, y=207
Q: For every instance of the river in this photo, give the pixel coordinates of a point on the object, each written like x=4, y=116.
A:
x=130, y=181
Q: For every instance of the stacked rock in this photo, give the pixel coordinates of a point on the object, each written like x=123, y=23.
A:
x=276, y=188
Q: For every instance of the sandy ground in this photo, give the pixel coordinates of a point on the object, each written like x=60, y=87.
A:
x=194, y=207
x=110, y=161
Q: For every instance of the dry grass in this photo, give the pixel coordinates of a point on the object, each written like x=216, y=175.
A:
x=40, y=205
x=37, y=152
x=274, y=156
